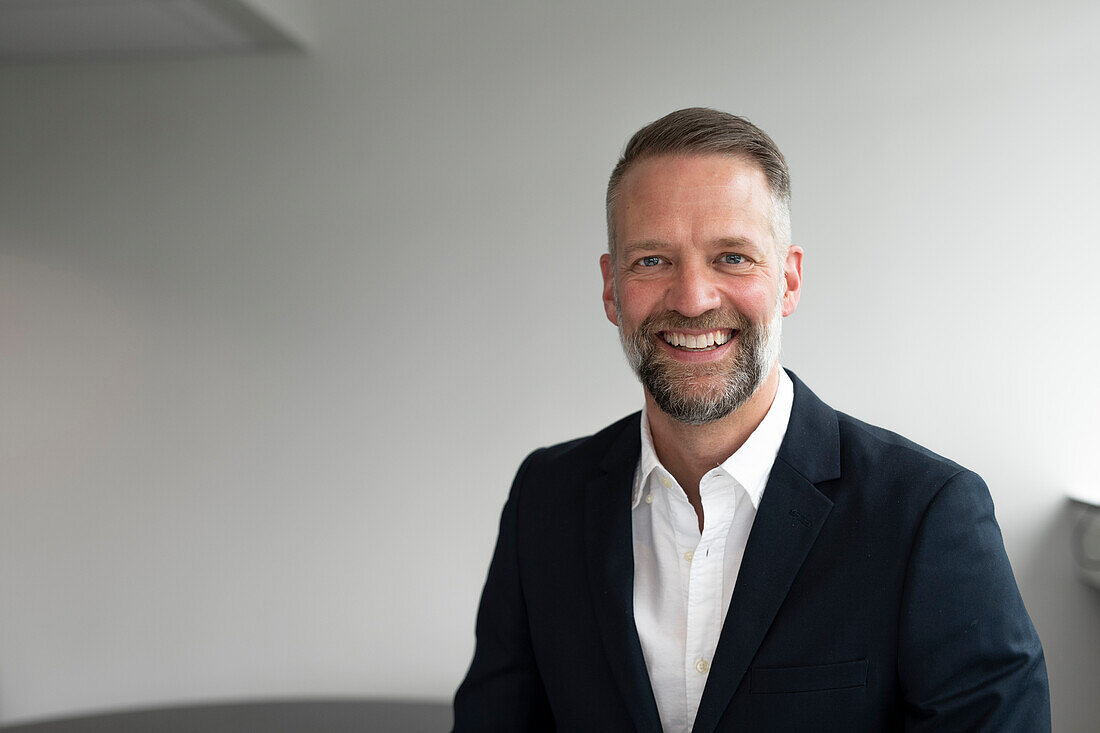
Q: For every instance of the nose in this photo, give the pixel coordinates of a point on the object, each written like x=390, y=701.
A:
x=693, y=290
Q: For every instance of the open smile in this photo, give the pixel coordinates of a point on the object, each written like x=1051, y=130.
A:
x=698, y=341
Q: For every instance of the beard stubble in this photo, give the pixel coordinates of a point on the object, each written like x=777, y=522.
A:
x=698, y=394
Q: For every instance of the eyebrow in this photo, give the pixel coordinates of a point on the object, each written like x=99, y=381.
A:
x=657, y=245
x=644, y=246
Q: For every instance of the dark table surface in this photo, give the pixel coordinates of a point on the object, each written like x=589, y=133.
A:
x=292, y=716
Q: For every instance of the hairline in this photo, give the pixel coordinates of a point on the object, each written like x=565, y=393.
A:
x=779, y=213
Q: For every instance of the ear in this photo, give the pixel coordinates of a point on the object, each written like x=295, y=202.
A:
x=609, y=289
x=792, y=274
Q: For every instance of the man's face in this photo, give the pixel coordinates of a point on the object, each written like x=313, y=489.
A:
x=697, y=287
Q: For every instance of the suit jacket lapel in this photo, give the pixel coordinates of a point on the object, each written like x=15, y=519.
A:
x=787, y=523
x=610, y=552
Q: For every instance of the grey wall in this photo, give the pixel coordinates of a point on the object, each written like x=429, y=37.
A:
x=276, y=331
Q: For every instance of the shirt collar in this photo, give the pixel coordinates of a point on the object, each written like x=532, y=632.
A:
x=750, y=466
x=647, y=463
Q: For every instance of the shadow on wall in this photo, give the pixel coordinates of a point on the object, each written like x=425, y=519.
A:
x=1057, y=594
x=306, y=716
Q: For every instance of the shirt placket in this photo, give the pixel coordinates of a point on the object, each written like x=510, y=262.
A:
x=705, y=579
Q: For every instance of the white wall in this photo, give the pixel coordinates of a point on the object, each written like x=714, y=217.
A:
x=276, y=331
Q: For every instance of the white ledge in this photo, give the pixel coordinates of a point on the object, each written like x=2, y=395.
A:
x=1089, y=496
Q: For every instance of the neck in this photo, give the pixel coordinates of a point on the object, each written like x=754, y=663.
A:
x=689, y=451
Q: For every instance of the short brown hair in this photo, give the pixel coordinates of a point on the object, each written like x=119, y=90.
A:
x=704, y=130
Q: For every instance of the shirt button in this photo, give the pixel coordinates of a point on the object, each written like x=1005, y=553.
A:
x=666, y=482
x=702, y=666
x=649, y=498
x=689, y=555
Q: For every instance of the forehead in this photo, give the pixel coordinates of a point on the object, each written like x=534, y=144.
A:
x=693, y=198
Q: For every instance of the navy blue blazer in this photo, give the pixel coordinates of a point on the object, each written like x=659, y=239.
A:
x=874, y=594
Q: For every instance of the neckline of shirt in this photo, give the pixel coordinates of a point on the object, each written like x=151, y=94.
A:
x=750, y=464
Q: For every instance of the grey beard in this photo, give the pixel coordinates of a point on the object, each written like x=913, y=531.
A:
x=757, y=350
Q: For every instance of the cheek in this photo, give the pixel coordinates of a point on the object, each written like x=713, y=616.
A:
x=637, y=300
x=756, y=300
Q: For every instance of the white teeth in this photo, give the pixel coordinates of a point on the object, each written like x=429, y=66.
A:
x=708, y=340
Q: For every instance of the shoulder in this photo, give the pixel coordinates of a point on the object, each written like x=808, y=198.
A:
x=588, y=453
x=864, y=445
x=897, y=481
x=554, y=482
x=838, y=452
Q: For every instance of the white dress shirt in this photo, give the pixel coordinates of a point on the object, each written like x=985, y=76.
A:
x=683, y=580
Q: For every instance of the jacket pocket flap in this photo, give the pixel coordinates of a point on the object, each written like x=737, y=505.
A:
x=808, y=679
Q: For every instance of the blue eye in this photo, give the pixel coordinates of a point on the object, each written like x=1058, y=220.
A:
x=651, y=261
x=732, y=259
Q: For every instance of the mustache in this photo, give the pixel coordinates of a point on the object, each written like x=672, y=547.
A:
x=709, y=321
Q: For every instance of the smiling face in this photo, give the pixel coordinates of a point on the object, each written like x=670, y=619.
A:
x=697, y=286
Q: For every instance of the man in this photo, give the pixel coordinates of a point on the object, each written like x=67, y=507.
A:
x=739, y=556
